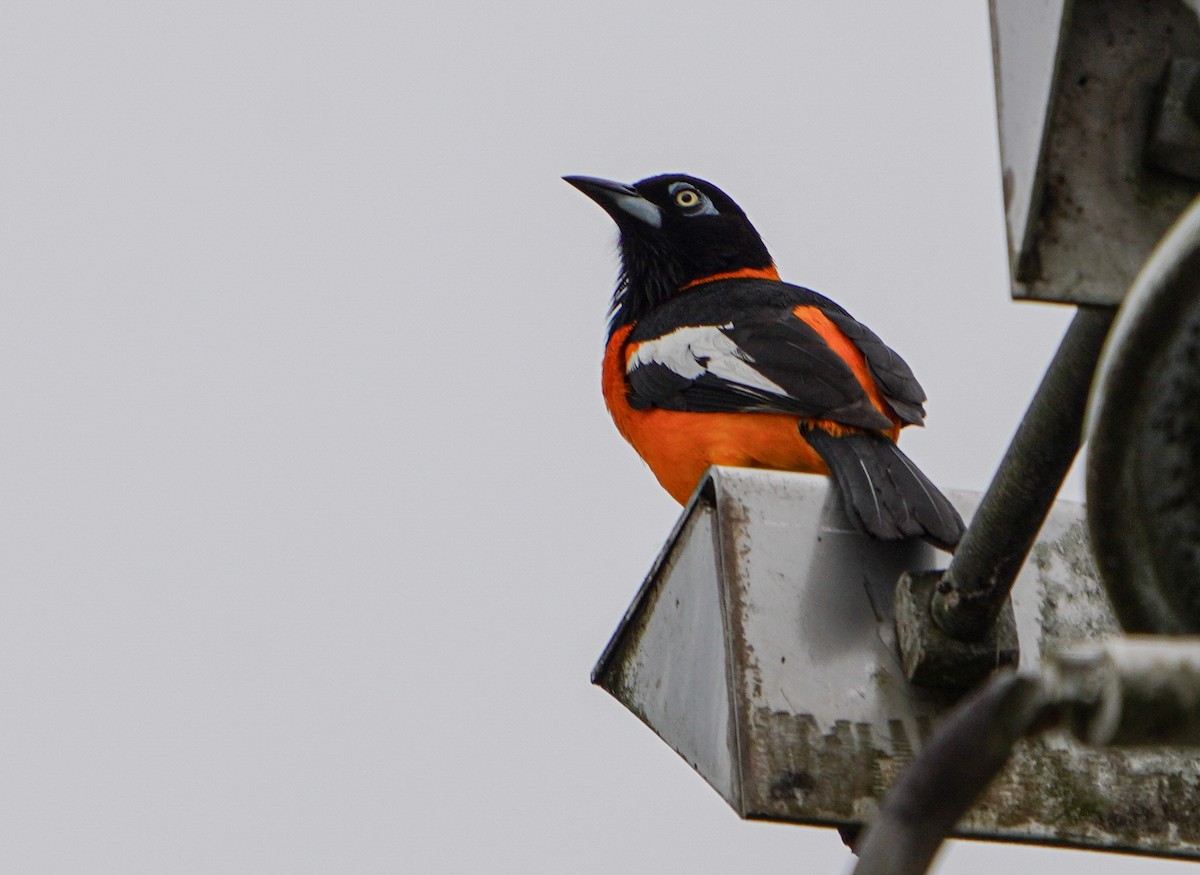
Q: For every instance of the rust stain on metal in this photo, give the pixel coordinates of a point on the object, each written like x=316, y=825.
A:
x=733, y=540
x=841, y=773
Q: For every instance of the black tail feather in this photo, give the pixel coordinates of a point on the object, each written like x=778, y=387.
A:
x=884, y=493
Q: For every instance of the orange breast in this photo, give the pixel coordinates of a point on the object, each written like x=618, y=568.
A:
x=680, y=446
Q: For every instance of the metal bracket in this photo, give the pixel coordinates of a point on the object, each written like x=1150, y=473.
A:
x=1077, y=86
x=933, y=658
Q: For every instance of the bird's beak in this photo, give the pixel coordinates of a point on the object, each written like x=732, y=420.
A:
x=618, y=200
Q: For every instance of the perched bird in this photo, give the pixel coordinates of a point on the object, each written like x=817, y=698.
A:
x=713, y=360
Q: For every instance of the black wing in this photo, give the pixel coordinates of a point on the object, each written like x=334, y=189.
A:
x=765, y=361
x=891, y=373
x=736, y=346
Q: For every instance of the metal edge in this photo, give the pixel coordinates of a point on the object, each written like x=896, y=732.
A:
x=1017, y=289
x=734, y=636
x=998, y=105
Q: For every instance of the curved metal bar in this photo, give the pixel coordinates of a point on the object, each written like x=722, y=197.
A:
x=1143, y=475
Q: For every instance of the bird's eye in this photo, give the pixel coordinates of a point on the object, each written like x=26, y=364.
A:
x=687, y=198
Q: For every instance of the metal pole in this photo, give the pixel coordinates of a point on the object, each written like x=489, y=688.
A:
x=973, y=589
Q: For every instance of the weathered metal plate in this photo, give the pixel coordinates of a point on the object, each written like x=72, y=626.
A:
x=1088, y=213
x=813, y=720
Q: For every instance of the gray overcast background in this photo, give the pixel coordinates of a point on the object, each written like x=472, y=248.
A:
x=313, y=520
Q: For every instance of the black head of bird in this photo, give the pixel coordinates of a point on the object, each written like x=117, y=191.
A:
x=675, y=231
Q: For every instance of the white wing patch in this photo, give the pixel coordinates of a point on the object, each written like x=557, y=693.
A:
x=696, y=350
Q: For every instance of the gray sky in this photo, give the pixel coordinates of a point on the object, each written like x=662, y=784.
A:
x=313, y=522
